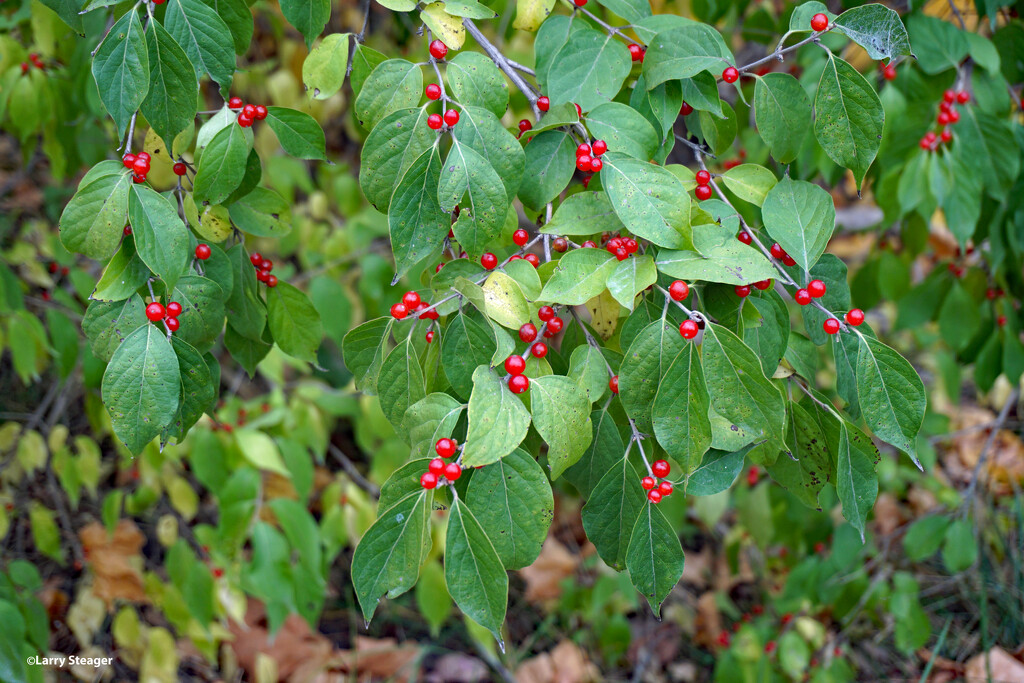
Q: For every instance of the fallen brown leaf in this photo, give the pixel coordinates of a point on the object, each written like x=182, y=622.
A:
x=379, y=659
x=457, y=668
x=1004, y=668
x=544, y=576
x=110, y=558
x=300, y=654
x=567, y=663
x=887, y=514
x=708, y=623
x=1005, y=461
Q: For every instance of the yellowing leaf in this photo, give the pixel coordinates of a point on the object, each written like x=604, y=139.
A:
x=449, y=29
x=530, y=14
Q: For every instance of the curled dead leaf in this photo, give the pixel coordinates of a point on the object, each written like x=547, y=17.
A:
x=544, y=576
x=567, y=663
x=1001, y=664
x=112, y=559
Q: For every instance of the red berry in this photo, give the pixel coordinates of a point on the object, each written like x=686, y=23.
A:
x=411, y=300
x=433, y=91
x=155, y=311
x=452, y=471
x=831, y=326
x=399, y=311
x=630, y=245
x=962, y=97
x=599, y=147
x=235, y=103
x=524, y=125
x=763, y=284
x=665, y=488
x=730, y=75
x=559, y=244
x=648, y=483
x=533, y=260
x=489, y=261
x=723, y=639
x=543, y=103
x=947, y=135
x=173, y=309
x=583, y=162
x=661, y=468
x=554, y=326
x=654, y=496
x=141, y=166
x=136, y=178
x=445, y=447
x=744, y=237
x=438, y=50
x=769, y=647
x=128, y=160
x=945, y=106
x=127, y=230
x=686, y=109
x=434, y=121
x=954, y=116
x=703, y=177
x=256, y=258
x=819, y=22
x=520, y=237
x=518, y=384
x=596, y=165
x=688, y=329
x=621, y=254
x=266, y=264
x=613, y=384
x=589, y=244
x=582, y=149
x=539, y=349
x=855, y=317
x=924, y=143
x=271, y=280
x=742, y=290
x=144, y=155
x=949, y=96
x=679, y=290
x=249, y=110
x=636, y=53
x=436, y=466
x=428, y=480
x=180, y=169
x=203, y=252
x=451, y=117
x=429, y=336
x=1001, y=320
x=545, y=313
x=244, y=121
x=172, y=324
x=515, y=365
x=528, y=332
x=753, y=476
x=217, y=571
x=579, y=109
x=802, y=296
x=53, y=267
x=788, y=260
x=942, y=118
x=889, y=72
x=613, y=244
x=777, y=251
x=580, y=3
x=261, y=112
x=816, y=288
x=703, y=192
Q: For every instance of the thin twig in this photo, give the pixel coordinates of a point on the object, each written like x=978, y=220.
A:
x=779, y=52
x=502, y=63
x=956, y=13
x=353, y=473
x=699, y=149
x=972, y=488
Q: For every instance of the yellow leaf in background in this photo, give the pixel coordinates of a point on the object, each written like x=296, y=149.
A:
x=160, y=663
x=31, y=451
x=183, y=497
x=530, y=14
x=213, y=224
x=444, y=26
x=505, y=302
x=261, y=451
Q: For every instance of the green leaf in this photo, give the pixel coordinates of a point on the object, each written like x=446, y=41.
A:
x=611, y=512
x=588, y=367
x=924, y=537
x=561, y=415
x=750, y=182
x=848, y=117
x=805, y=473
x=701, y=93
x=550, y=165
x=246, y=309
x=584, y=213
x=856, y=481
x=732, y=263
x=877, y=29
x=298, y=132
x=684, y=52
x=200, y=31
x=294, y=322
x=624, y=129
x=391, y=148
x=512, y=500
x=198, y=392
x=959, y=317
x=123, y=275
x=630, y=10
x=393, y=85
x=580, y=275
x=93, y=221
x=649, y=200
x=69, y=13
x=654, y=557
x=630, y=277
x=939, y=44
x=388, y=557
x=739, y=390
x=680, y=411
x=800, y=216
x=469, y=9
x=504, y=302
x=716, y=472
x=660, y=105
x=432, y=417
x=309, y=16
x=363, y=349
x=498, y=421
x=482, y=131
x=364, y=61
x=142, y=387
x=107, y=325
x=960, y=549
x=643, y=367
x=466, y=176
x=160, y=236
x=202, y=310
x=465, y=345
x=323, y=71
x=171, y=105
x=222, y=165
x=475, y=80
x=238, y=17
x=417, y=224
x=718, y=132
x=121, y=70
x=262, y=212
x=588, y=69
x=473, y=571
x=401, y=382
x=766, y=328
x=891, y=395
x=991, y=147
x=782, y=112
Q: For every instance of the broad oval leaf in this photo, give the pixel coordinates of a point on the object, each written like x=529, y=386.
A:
x=624, y=129
x=649, y=200
x=561, y=415
x=294, y=322
x=222, y=165
x=750, y=182
x=171, y=104
x=782, y=112
x=323, y=71
x=200, y=31
x=416, y=222
x=891, y=395
x=108, y=324
x=400, y=383
x=121, y=69
x=643, y=367
x=877, y=29
x=680, y=411
x=476, y=81
x=684, y=52
x=800, y=216
x=160, y=236
x=611, y=512
x=498, y=421
x=393, y=85
x=588, y=70
x=654, y=557
x=579, y=275
x=473, y=571
x=298, y=132
x=93, y=221
x=848, y=117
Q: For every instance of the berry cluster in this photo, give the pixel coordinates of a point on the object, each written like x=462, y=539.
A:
x=437, y=469
x=263, y=267
x=157, y=312
x=36, y=61
x=703, y=190
x=948, y=115
x=139, y=165
x=778, y=252
x=815, y=290
x=247, y=113
x=622, y=247
x=412, y=303
x=435, y=121
x=588, y=156
x=656, y=491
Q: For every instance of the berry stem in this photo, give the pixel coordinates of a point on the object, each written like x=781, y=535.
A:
x=780, y=51
x=699, y=149
x=440, y=84
x=593, y=17
x=502, y=63
x=592, y=341
x=638, y=437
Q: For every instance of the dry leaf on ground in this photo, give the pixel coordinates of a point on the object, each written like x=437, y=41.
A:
x=110, y=558
x=1005, y=459
x=544, y=576
x=567, y=663
x=1004, y=667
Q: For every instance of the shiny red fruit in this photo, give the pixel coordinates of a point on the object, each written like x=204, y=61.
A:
x=636, y=53
x=261, y=112
x=435, y=121
x=235, y=103
x=528, y=332
x=244, y=121
x=446, y=447
x=489, y=261
x=613, y=384
x=518, y=384
x=433, y=91
x=128, y=160
x=180, y=169
x=429, y=336
x=802, y=297
x=730, y=75
x=520, y=237
x=816, y=288
x=451, y=117
x=524, y=125
x=654, y=496
x=539, y=349
x=399, y=311
x=686, y=109
x=889, y=72
x=777, y=251
x=436, y=466
x=661, y=468
x=819, y=22
x=688, y=329
x=963, y=97
x=545, y=313
x=596, y=165
x=543, y=103
x=855, y=317
x=438, y=50
x=744, y=237
x=703, y=177
x=173, y=309
x=679, y=290
x=515, y=365
x=452, y=471
x=599, y=147
x=172, y=324
x=583, y=162
x=648, y=483
x=532, y=259
x=428, y=480
x=155, y=311
x=742, y=290
x=763, y=284
x=831, y=326
x=703, y=192
x=665, y=488
x=554, y=326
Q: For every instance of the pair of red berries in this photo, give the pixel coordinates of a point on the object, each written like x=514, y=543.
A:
x=36, y=61
x=450, y=118
x=636, y=53
x=588, y=156
x=778, y=252
x=263, y=267
x=622, y=247
x=247, y=113
x=815, y=290
x=156, y=312
x=412, y=303
x=139, y=165
x=703, y=191
x=54, y=267
x=532, y=259
x=743, y=291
